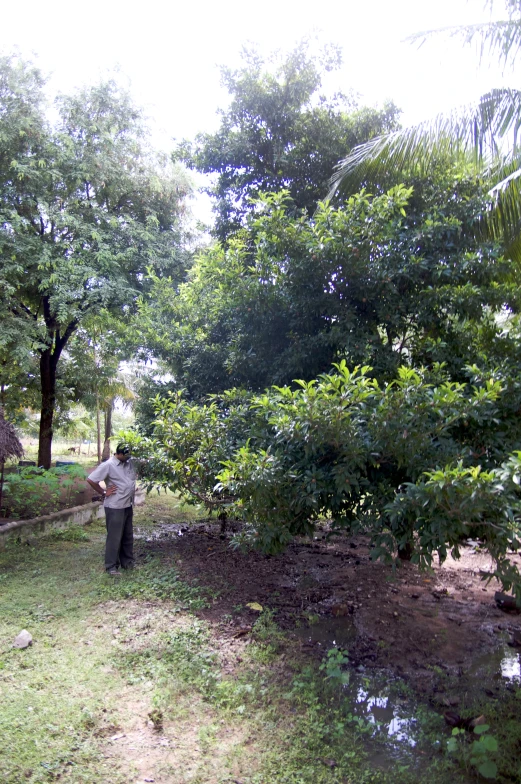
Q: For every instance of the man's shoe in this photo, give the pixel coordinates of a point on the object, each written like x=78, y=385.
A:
x=113, y=573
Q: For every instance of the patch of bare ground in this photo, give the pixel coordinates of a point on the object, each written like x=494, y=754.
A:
x=196, y=748
x=189, y=743
x=406, y=621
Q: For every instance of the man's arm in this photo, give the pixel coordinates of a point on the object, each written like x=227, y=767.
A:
x=100, y=491
x=95, y=484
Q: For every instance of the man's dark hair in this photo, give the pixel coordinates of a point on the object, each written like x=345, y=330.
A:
x=122, y=449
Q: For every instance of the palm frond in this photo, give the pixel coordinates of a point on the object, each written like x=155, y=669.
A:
x=502, y=38
x=479, y=131
x=503, y=220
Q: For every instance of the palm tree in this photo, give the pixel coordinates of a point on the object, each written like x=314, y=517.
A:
x=485, y=135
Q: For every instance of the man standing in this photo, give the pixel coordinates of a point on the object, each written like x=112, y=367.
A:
x=120, y=480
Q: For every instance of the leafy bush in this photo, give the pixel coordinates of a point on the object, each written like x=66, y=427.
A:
x=34, y=491
x=404, y=462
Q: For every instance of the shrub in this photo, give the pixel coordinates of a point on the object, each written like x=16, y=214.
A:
x=35, y=491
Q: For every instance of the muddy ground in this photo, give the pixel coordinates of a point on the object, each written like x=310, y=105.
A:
x=328, y=592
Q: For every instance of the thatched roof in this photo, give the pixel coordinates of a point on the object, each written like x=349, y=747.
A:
x=10, y=445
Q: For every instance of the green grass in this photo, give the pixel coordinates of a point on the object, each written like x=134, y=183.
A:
x=120, y=658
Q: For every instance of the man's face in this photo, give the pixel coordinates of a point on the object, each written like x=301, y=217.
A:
x=123, y=456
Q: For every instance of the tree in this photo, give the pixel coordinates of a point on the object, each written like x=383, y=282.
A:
x=486, y=135
x=86, y=208
x=279, y=133
x=401, y=462
x=385, y=280
x=99, y=369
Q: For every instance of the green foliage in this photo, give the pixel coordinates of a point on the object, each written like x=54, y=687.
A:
x=389, y=279
x=190, y=443
x=479, y=753
x=332, y=666
x=450, y=504
x=364, y=455
x=34, y=491
x=85, y=208
x=279, y=132
x=483, y=134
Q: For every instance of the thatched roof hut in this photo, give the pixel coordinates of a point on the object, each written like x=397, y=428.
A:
x=10, y=446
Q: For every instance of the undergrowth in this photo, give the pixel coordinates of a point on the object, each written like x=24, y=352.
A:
x=295, y=721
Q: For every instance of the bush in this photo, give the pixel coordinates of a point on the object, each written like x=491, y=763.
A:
x=405, y=462
x=34, y=491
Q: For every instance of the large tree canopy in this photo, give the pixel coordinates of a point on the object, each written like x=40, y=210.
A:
x=85, y=209
x=280, y=133
x=385, y=280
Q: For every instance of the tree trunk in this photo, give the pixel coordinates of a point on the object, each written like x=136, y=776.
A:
x=1, y=485
x=98, y=429
x=108, y=430
x=48, y=363
x=108, y=419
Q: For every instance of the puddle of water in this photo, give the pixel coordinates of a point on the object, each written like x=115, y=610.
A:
x=511, y=666
x=389, y=716
x=504, y=664
x=370, y=697
x=329, y=633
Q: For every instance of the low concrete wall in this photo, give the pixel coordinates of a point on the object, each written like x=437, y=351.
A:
x=23, y=530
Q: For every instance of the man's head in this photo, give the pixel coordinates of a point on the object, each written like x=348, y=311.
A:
x=123, y=452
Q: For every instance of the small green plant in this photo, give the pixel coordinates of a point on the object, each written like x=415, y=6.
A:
x=267, y=636
x=478, y=753
x=73, y=534
x=34, y=491
x=332, y=666
x=154, y=580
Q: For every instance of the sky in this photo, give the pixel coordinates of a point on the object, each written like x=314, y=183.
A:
x=168, y=53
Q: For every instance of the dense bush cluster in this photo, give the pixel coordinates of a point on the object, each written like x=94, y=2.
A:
x=404, y=462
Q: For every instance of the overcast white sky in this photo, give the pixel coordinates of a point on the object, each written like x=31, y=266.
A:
x=169, y=52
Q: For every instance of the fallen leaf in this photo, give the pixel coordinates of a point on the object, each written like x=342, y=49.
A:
x=254, y=606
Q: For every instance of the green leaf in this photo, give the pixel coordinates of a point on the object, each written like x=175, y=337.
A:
x=489, y=743
x=488, y=770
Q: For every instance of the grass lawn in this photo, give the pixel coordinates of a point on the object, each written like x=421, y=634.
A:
x=126, y=683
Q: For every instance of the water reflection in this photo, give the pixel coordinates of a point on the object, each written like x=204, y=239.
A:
x=386, y=716
x=329, y=633
x=511, y=666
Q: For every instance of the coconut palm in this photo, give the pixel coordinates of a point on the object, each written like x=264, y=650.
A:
x=485, y=136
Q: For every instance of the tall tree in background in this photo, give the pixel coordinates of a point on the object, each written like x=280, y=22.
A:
x=385, y=280
x=85, y=209
x=100, y=371
x=486, y=134
x=280, y=133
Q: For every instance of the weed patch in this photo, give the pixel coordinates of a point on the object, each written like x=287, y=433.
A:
x=154, y=580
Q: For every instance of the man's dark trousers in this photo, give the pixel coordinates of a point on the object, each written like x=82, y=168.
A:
x=119, y=548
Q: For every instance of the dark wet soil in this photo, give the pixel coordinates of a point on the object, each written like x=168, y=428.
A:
x=328, y=592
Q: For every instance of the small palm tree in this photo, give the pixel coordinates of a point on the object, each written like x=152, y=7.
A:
x=485, y=136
